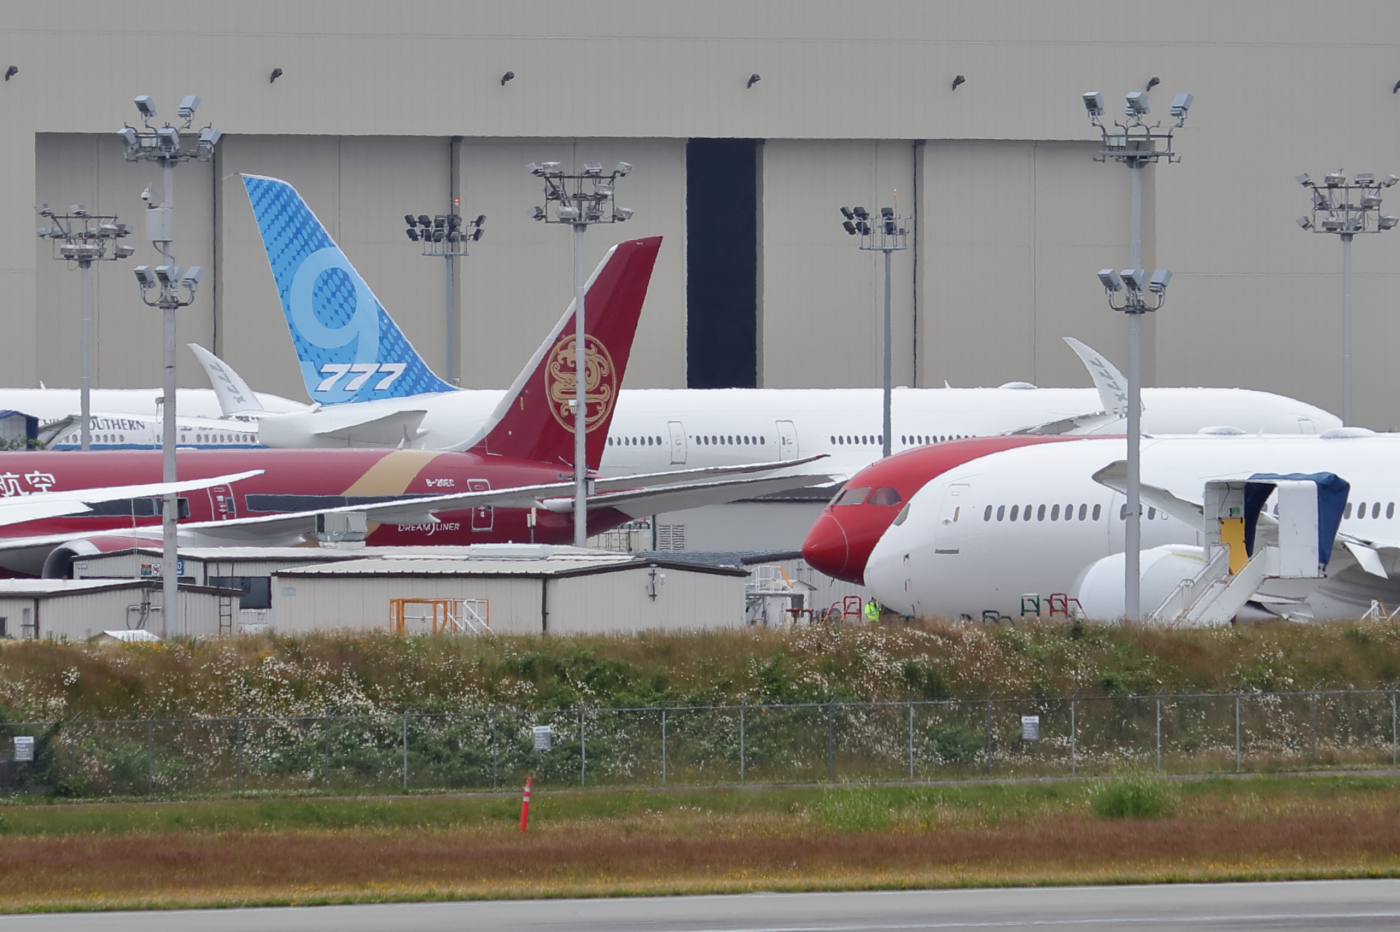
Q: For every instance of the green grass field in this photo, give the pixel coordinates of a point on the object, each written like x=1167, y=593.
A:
x=60, y=856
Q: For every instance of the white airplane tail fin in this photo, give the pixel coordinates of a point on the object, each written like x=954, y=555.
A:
x=1112, y=386
x=235, y=397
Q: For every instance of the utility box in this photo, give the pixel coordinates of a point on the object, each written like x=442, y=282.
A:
x=160, y=225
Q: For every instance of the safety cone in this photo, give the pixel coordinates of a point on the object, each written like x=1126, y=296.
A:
x=525, y=805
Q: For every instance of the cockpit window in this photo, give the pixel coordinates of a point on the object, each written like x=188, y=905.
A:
x=903, y=514
x=853, y=496
x=885, y=496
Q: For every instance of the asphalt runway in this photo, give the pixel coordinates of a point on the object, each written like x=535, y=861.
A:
x=1341, y=904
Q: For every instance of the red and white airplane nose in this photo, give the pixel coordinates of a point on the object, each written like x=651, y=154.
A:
x=827, y=550
x=839, y=544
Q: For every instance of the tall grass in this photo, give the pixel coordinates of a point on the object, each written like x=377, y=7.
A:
x=1134, y=796
x=369, y=674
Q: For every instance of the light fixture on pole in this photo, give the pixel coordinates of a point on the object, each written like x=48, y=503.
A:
x=887, y=234
x=1141, y=294
x=1347, y=208
x=82, y=237
x=167, y=146
x=579, y=200
x=1135, y=144
x=446, y=236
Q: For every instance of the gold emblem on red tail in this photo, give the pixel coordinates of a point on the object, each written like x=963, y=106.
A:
x=599, y=386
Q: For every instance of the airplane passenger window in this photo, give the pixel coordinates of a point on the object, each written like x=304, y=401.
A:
x=987, y=515
x=1026, y=515
x=886, y=496
x=1152, y=514
x=1040, y=513
x=957, y=511
x=1347, y=513
x=1015, y=510
x=1001, y=513
x=1097, y=509
x=1389, y=508
x=1082, y=508
x=1361, y=510
x=1055, y=513
x=761, y=440
x=854, y=496
x=1375, y=509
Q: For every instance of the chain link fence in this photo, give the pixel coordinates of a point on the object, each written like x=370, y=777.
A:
x=708, y=745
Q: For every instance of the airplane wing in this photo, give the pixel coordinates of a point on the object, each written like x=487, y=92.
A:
x=293, y=526
x=641, y=502
x=17, y=509
x=234, y=395
x=1115, y=477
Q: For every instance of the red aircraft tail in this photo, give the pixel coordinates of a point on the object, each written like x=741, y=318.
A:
x=535, y=420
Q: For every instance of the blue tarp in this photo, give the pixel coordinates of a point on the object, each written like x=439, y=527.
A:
x=1332, y=492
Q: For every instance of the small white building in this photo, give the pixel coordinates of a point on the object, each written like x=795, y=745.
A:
x=78, y=609
x=518, y=589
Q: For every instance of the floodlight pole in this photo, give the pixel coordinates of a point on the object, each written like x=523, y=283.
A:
x=887, y=234
x=1346, y=208
x=577, y=208
x=446, y=237
x=1135, y=144
x=166, y=146
x=81, y=237
x=580, y=397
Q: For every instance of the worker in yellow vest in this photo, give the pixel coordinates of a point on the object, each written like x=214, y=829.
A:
x=872, y=611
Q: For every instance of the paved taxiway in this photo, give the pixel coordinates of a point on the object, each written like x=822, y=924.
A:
x=1349, y=904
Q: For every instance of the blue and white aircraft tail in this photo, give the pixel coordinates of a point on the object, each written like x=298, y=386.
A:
x=349, y=347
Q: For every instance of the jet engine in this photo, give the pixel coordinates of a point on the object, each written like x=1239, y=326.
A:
x=1099, y=588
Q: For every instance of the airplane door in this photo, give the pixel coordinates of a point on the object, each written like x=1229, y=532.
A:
x=222, y=505
x=483, y=516
x=787, y=440
x=955, y=502
x=677, y=430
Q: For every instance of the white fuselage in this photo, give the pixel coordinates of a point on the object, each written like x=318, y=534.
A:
x=655, y=430
x=966, y=545
x=658, y=429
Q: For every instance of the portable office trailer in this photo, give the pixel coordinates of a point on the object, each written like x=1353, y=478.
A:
x=563, y=593
x=80, y=609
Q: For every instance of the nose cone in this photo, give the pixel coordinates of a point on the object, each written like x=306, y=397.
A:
x=826, y=549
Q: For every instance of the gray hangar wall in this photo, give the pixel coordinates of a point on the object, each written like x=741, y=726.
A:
x=385, y=110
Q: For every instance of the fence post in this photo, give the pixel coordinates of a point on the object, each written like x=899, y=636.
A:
x=1159, y=732
x=405, y=752
x=1394, y=732
x=148, y=757
x=741, y=741
x=494, y=753
x=1314, y=728
x=911, y=740
x=238, y=754
x=1237, y=732
x=583, y=751
x=830, y=742
x=1073, y=740
x=663, y=747
x=989, y=733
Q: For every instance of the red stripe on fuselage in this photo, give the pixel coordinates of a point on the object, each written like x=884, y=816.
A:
x=840, y=541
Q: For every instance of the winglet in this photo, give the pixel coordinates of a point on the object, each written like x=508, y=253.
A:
x=349, y=347
x=534, y=419
x=235, y=397
x=1112, y=386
